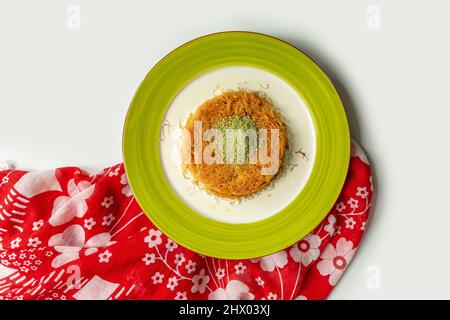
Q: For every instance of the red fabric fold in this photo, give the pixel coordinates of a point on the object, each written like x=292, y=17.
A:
x=65, y=234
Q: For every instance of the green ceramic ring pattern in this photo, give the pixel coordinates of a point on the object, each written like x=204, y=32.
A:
x=146, y=174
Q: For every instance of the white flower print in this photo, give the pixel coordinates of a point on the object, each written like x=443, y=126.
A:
x=108, y=202
x=89, y=223
x=70, y=242
x=179, y=259
x=362, y=192
x=272, y=296
x=363, y=225
x=22, y=256
x=15, y=243
x=5, y=262
x=350, y=223
x=200, y=281
x=172, y=283
x=306, y=250
x=5, y=180
x=153, y=238
x=353, y=203
x=240, y=268
x=340, y=206
x=34, y=242
x=104, y=256
x=33, y=268
x=32, y=257
x=181, y=295
x=335, y=260
x=260, y=281
x=126, y=190
x=190, y=266
x=170, y=245
x=338, y=230
x=331, y=226
x=268, y=263
x=357, y=151
x=38, y=262
x=2, y=254
x=37, y=225
x=65, y=208
x=12, y=256
x=114, y=172
x=149, y=258
x=24, y=269
x=235, y=290
x=108, y=219
x=27, y=263
x=220, y=273
x=157, y=278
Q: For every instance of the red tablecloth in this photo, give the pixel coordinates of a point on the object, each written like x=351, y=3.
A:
x=65, y=234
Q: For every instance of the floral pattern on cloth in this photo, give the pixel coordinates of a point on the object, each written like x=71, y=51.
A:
x=68, y=235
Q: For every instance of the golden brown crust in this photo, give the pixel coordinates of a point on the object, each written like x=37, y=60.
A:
x=235, y=180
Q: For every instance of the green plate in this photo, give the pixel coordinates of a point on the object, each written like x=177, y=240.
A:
x=142, y=155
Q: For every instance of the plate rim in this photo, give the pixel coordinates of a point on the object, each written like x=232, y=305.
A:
x=221, y=239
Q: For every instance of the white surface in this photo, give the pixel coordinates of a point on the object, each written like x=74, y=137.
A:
x=64, y=95
x=296, y=116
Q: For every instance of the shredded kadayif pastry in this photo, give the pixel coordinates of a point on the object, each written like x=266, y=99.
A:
x=239, y=110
